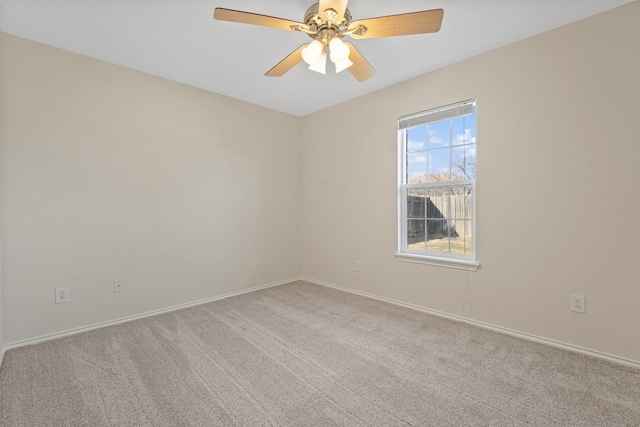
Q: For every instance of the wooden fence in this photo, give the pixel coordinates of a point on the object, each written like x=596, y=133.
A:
x=442, y=209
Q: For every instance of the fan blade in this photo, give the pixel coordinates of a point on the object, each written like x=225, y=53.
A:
x=255, y=19
x=287, y=63
x=427, y=21
x=361, y=69
x=338, y=5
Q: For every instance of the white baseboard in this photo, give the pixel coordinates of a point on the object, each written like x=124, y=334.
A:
x=74, y=331
x=496, y=328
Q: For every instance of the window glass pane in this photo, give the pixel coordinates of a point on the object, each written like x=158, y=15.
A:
x=416, y=234
x=440, y=134
x=463, y=129
x=463, y=162
x=461, y=237
x=461, y=203
x=416, y=203
x=439, y=165
x=437, y=236
x=438, y=203
x=470, y=128
x=417, y=139
x=416, y=167
x=457, y=130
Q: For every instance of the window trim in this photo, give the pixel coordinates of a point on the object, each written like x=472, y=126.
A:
x=458, y=264
x=456, y=261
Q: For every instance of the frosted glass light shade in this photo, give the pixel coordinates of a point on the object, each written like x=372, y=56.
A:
x=339, y=50
x=313, y=52
x=321, y=65
x=343, y=65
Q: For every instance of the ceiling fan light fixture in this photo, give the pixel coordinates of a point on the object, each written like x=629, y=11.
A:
x=313, y=53
x=321, y=65
x=339, y=50
x=327, y=22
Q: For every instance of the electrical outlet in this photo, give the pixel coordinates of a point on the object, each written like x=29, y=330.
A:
x=358, y=265
x=578, y=304
x=117, y=286
x=62, y=295
x=257, y=263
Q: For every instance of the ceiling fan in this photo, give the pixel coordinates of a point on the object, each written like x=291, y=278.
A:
x=327, y=22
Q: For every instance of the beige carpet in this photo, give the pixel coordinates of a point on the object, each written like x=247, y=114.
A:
x=302, y=354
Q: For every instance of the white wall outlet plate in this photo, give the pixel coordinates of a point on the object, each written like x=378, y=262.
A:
x=257, y=263
x=117, y=286
x=62, y=295
x=358, y=265
x=578, y=304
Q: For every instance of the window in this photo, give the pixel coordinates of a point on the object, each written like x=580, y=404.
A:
x=437, y=164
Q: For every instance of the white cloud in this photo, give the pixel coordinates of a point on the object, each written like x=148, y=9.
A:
x=414, y=159
x=436, y=140
x=466, y=138
x=415, y=145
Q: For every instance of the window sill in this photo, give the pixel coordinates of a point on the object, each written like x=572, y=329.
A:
x=459, y=264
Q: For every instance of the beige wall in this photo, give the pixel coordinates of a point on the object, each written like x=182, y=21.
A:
x=107, y=173
x=558, y=199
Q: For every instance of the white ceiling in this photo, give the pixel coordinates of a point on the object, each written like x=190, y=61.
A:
x=179, y=40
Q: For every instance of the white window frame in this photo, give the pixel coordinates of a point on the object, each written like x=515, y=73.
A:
x=458, y=261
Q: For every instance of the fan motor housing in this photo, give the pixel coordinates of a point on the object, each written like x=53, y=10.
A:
x=317, y=22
